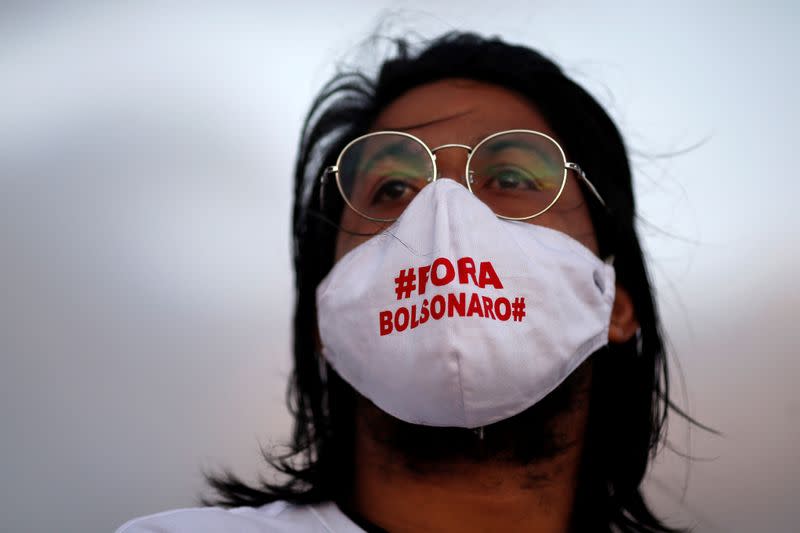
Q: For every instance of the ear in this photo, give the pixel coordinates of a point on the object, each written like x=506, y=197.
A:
x=623, y=317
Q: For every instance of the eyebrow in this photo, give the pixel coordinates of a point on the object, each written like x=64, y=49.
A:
x=507, y=144
x=393, y=150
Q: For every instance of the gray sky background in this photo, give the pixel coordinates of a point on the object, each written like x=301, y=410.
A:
x=145, y=183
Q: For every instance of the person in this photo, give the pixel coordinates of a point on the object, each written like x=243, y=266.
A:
x=476, y=342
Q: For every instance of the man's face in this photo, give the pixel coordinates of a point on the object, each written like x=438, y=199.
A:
x=464, y=112
x=458, y=111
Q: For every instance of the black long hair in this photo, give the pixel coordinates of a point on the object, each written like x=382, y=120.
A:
x=630, y=389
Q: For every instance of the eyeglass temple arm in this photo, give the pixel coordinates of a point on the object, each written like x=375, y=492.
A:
x=582, y=174
x=324, y=181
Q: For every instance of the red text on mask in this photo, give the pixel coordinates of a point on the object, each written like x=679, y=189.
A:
x=451, y=305
x=442, y=272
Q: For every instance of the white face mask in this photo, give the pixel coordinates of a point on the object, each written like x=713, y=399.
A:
x=454, y=317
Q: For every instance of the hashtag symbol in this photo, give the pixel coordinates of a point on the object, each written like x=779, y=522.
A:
x=404, y=283
x=518, y=309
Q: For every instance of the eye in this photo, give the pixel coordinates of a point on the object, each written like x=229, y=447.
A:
x=511, y=178
x=393, y=190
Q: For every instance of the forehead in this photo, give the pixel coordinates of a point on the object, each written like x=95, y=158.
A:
x=459, y=111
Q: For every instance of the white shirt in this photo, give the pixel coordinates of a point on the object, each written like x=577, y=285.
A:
x=274, y=517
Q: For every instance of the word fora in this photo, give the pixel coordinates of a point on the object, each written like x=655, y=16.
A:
x=441, y=272
x=453, y=304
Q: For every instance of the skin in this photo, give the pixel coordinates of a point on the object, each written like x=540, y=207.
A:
x=459, y=494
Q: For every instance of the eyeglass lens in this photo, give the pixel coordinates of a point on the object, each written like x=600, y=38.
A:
x=516, y=174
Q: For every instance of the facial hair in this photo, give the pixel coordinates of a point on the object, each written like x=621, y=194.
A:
x=541, y=433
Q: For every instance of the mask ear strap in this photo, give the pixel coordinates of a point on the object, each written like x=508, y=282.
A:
x=322, y=218
x=609, y=260
x=323, y=366
x=479, y=432
x=639, y=341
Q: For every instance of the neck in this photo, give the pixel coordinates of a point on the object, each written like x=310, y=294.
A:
x=463, y=496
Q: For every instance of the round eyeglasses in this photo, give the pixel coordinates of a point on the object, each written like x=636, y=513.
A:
x=519, y=174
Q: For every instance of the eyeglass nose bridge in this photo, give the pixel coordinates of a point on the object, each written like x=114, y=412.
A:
x=468, y=177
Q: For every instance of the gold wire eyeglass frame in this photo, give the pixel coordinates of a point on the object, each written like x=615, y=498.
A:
x=567, y=165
